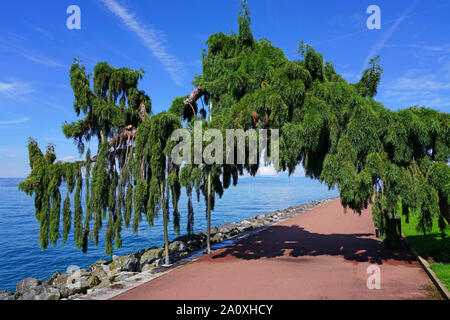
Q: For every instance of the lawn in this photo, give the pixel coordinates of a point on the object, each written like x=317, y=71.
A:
x=433, y=247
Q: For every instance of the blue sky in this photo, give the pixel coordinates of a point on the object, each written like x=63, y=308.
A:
x=166, y=39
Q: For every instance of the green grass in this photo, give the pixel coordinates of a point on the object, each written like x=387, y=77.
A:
x=433, y=247
x=442, y=271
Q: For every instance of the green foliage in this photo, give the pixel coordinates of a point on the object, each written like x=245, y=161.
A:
x=67, y=218
x=367, y=86
x=334, y=129
x=184, y=112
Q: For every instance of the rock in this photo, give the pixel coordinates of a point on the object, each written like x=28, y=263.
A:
x=47, y=293
x=60, y=283
x=93, y=281
x=33, y=289
x=27, y=289
x=147, y=267
x=78, y=281
x=6, y=295
x=103, y=284
x=233, y=232
x=98, y=263
x=227, y=227
x=150, y=256
x=260, y=217
x=218, y=237
x=158, y=262
x=26, y=285
x=177, y=246
x=124, y=275
x=100, y=271
x=195, y=244
x=54, y=276
x=244, y=225
x=125, y=263
x=214, y=230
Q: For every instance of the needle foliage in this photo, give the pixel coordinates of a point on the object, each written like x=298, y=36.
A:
x=334, y=129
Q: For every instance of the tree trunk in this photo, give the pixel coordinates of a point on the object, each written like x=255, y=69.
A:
x=208, y=231
x=196, y=94
x=443, y=205
x=166, y=236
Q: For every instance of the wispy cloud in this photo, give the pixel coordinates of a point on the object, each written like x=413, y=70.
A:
x=15, y=89
x=421, y=83
x=47, y=34
x=351, y=34
x=418, y=87
x=387, y=35
x=432, y=48
x=16, y=121
x=10, y=156
x=152, y=39
x=67, y=159
x=42, y=60
x=267, y=171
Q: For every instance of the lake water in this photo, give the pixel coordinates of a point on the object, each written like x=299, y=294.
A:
x=21, y=256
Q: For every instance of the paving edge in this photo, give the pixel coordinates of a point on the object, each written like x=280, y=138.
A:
x=126, y=285
x=426, y=266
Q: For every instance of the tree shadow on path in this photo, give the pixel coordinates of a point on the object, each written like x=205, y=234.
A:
x=294, y=241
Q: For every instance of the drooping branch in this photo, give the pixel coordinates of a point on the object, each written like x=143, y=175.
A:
x=196, y=94
x=128, y=133
x=125, y=133
x=143, y=112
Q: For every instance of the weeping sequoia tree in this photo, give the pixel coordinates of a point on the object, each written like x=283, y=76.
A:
x=395, y=161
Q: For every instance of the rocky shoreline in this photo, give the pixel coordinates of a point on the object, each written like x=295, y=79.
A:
x=105, y=273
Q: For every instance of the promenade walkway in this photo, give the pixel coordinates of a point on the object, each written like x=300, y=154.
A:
x=323, y=253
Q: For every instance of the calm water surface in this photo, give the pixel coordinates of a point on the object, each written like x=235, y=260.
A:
x=21, y=256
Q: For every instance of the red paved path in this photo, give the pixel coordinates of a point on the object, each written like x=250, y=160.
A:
x=320, y=254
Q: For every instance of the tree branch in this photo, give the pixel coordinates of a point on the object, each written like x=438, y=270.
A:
x=196, y=94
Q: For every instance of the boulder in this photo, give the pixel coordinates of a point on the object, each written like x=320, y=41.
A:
x=227, y=227
x=6, y=295
x=93, y=281
x=26, y=285
x=159, y=262
x=195, y=244
x=218, y=237
x=234, y=232
x=99, y=263
x=100, y=271
x=78, y=281
x=47, y=293
x=61, y=283
x=177, y=246
x=124, y=275
x=260, y=217
x=147, y=267
x=33, y=289
x=244, y=225
x=150, y=256
x=274, y=218
x=103, y=284
x=54, y=276
x=214, y=230
x=125, y=263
